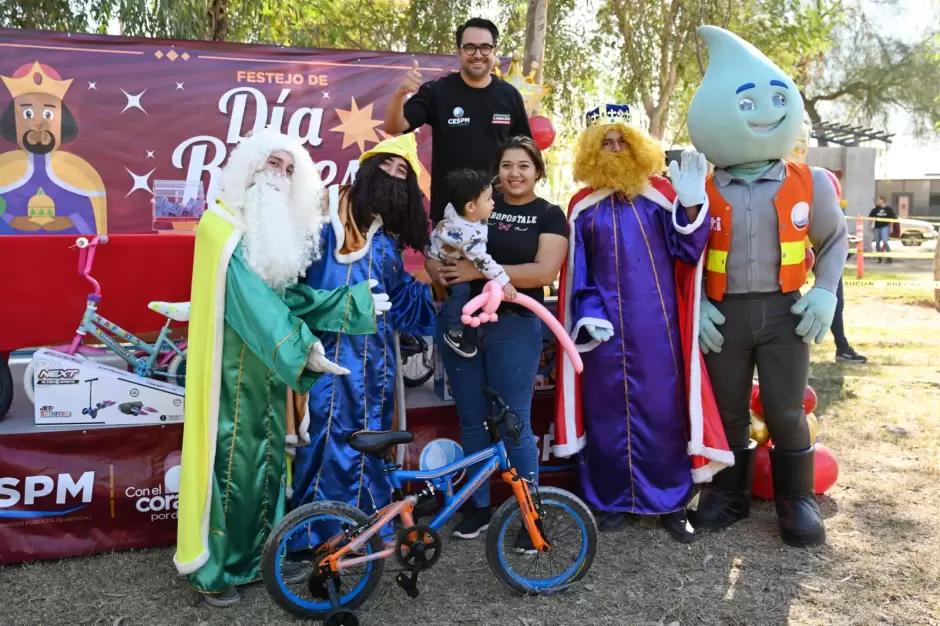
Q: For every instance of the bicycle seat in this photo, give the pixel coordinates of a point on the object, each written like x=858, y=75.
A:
x=176, y=311
x=377, y=442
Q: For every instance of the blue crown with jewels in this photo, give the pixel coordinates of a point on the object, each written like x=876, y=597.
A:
x=608, y=114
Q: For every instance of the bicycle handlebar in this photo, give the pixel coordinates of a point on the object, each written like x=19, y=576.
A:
x=502, y=412
x=86, y=258
x=494, y=397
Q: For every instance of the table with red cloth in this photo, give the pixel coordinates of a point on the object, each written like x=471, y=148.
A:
x=44, y=295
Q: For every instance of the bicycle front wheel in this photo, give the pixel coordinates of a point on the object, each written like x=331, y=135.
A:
x=304, y=536
x=568, y=526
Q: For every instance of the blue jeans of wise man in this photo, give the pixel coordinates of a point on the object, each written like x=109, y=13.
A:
x=507, y=362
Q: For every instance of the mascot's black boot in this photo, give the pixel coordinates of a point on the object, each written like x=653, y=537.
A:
x=727, y=499
x=801, y=523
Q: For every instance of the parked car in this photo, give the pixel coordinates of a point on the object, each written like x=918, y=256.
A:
x=916, y=232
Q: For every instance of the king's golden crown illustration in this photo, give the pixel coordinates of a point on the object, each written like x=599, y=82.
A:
x=36, y=80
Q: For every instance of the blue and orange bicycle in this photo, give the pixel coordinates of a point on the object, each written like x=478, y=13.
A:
x=348, y=554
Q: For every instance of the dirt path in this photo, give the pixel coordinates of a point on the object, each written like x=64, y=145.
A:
x=881, y=566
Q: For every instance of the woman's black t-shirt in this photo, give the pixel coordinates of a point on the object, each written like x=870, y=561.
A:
x=513, y=239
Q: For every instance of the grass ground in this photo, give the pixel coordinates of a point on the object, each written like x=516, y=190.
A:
x=881, y=565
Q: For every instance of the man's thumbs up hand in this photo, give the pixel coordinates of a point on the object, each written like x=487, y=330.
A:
x=411, y=82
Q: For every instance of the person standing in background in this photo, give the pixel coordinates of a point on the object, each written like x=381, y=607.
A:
x=471, y=112
x=881, y=230
x=844, y=352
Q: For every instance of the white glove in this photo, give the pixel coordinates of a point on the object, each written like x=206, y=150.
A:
x=688, y=179
x=598, y=334
x=379, y=300
x=317, y=362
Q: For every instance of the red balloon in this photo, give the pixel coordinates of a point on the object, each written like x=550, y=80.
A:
x=835, y=182
x=763, y=487
x=810, y=259
x=827, y=472
x=543, y=131
x=810, y=400
x=827, y=469
x=756, y=405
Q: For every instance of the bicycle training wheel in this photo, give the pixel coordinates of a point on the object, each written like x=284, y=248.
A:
x=303, y=537
x=569, y=527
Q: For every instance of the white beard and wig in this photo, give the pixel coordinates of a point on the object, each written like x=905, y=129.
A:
x=281, y=217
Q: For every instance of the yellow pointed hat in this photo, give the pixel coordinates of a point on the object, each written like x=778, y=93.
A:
x=404, y=146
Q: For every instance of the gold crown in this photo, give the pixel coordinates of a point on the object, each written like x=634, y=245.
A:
x=28, y=83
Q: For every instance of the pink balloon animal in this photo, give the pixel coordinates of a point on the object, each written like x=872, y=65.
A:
x=492, y=296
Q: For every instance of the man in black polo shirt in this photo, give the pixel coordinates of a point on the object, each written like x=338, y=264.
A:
x=470, y=112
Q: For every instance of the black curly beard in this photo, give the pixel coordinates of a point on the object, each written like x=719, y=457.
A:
x=39, y=148
x=399, y=202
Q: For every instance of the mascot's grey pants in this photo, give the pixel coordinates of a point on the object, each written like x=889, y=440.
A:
x=759, y=330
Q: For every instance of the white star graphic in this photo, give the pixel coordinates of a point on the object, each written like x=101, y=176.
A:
x=93, y=85
x=150, y=154
x=326, y=94
x=133, y=101
x=179, y=86
x=140, y=182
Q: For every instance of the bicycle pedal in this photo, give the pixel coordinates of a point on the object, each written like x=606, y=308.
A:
x=405, y=582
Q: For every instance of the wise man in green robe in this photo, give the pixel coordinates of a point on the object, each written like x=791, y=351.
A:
x=249, y=343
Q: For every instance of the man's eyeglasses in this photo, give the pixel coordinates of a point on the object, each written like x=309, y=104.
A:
x=471, y=49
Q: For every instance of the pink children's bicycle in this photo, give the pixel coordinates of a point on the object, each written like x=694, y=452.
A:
x=165, y=359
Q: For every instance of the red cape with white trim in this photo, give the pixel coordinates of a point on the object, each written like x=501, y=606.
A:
x=707, y=444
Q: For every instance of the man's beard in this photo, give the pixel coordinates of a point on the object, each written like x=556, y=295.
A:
x=619, y=171
x=35, y=147
x=388, y=198
x=279, y=244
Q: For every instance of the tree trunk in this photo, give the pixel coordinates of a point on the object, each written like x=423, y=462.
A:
x=536, y=20
x=218, y=19
x=815, y=118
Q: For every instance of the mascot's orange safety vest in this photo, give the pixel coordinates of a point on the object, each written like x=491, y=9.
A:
x=792, y=201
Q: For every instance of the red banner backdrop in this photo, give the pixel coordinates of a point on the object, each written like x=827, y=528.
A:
x=91, y=126
x=80, y=492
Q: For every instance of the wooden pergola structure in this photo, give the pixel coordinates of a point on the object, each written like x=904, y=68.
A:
x=849, y=136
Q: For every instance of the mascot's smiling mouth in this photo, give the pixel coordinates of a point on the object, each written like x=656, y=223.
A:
x=763, y=129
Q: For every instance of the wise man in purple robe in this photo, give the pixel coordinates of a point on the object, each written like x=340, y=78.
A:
x=628, y=413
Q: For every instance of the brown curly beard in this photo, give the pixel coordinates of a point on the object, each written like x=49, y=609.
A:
x=627, y=171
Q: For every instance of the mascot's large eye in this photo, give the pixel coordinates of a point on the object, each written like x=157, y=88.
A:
x=48, y=115
x=28, y=114
x=746, y=104
x=779, y=100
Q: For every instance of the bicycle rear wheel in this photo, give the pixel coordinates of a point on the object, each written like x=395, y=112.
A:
x=568, y=526
x=302, y=536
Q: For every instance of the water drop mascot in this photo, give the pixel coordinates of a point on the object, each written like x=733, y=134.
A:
x=745, y=118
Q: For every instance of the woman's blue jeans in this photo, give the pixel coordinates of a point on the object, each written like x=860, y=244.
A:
x=882, y=235
x=507, y=361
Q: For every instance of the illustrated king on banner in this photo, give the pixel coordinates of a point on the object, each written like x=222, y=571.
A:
x=43, y=188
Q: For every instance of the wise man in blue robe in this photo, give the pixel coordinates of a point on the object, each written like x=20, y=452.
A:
x=375, y=218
